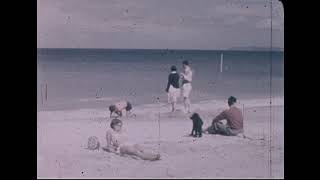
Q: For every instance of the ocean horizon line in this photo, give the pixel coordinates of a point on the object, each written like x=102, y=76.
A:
x=167, y=49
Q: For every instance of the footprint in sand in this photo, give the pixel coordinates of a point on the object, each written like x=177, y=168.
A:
x=169, y=174
x=192, y=149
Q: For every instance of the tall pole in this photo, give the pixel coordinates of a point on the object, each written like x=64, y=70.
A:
x=159, y=137
x=41, y=85
x=46, y=92
x=270, y=93
x=243, y=112
x=221, y=63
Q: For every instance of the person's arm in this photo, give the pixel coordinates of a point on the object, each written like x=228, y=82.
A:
x=220, y=117
x=127, y=113
x=169, y=82
x=119, y=107
x=109, y=141
x=188, y=75
x=110, y=147
x=182, y=74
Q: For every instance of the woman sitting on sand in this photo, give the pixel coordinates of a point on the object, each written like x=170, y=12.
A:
x=118, y=143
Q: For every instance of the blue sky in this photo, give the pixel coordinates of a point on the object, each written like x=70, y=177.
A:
x=158, y=24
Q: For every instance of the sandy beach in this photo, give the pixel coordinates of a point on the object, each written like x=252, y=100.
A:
x=93, y=54
x=62, y=139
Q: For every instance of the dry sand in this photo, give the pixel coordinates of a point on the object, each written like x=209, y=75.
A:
x=62, y=138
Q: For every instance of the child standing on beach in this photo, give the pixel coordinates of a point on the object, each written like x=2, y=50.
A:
x=173, y=87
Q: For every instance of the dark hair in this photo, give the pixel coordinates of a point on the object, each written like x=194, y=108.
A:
x=231, y=100
x=128, y=107
x=195, y=116
x=115, y=122
x=173, y=68
x=112, y=108
x=185, y=62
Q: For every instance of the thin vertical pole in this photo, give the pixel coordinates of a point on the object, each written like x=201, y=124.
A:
x=243, y=114
x=46, y=92
x=159, y=135
x=270, y=93
x=221, y=62
x=41, y=89
x=159, y=131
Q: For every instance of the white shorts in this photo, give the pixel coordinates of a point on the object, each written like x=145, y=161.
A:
x=173, y=94
x=186, y=89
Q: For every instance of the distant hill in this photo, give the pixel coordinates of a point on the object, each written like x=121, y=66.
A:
x=255, y=49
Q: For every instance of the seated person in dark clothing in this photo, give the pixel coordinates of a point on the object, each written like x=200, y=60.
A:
x=234, y=118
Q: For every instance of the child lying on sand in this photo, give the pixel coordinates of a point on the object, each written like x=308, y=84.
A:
x=118, y=143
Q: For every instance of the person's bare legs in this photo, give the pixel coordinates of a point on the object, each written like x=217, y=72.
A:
x=137, y=150
x=128, y=113
x=147, y=156
x=173, y=106
x=186, y=102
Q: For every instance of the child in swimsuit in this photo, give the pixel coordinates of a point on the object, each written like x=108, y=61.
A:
x=118, y=143
x=119, y=107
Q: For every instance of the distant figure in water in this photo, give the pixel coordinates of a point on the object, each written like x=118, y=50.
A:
x=119, y=107
x=172, y=89
x=186, y=87
x=234, y=118
x=118, y=143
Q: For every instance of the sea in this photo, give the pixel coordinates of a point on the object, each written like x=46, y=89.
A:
x=96, y=78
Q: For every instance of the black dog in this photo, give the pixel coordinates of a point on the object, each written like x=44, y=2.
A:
x=197, y=125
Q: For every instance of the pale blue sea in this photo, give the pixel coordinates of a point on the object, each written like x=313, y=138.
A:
x=94, y=78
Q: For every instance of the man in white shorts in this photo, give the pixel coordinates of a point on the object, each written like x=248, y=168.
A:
x=173, y=87
x=186, y=87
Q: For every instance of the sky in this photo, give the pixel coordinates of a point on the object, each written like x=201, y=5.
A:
x=159, y=24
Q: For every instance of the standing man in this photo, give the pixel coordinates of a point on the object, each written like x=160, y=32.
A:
x=173, y=87
x=186, y=87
